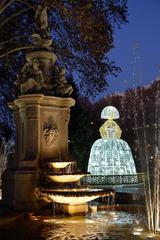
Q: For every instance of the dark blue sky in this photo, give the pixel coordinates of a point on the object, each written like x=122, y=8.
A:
x=143, y=30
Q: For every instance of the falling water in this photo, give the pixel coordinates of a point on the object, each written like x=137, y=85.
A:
x=156, y=199
x=152, y=183
x=54, y=208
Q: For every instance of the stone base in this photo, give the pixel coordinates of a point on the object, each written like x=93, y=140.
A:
x=8, y=187
x=18, y=189
x=74, y=209
x=41, y=135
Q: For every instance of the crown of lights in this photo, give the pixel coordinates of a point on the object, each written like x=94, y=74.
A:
x=110, y=112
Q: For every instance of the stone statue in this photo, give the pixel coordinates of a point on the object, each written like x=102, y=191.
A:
x=62, y=87
x=42, y=38
x=39, y=42
x=41, y=19
x=39, y=74
x=31, y=79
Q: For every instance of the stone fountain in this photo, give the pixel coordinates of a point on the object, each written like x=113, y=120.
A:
x=41, y=112
x=60, y=184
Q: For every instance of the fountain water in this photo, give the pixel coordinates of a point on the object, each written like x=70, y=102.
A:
x=145, y=113
x=146, y=121
x=63, y=187
x=150, y=160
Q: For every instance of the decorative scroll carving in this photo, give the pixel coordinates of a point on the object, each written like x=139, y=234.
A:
x=32, y=112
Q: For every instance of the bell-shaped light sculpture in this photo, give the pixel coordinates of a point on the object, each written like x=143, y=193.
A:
x=111, y=155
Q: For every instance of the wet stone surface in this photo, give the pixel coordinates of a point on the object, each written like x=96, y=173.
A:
x=99, y=226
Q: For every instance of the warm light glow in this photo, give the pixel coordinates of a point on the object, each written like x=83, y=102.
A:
x=151, y=235
x=136, y=233
x=69, y=196
x=138, y=229
x=59, y=164
x=90, y=221
x=66, y=178
x=110, y=129
x=73, y=190
x=72, y=200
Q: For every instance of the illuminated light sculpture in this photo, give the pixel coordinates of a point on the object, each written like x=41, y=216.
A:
x=111, y=155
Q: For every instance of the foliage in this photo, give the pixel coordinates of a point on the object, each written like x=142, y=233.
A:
x=81, y=132
x=6, y=149
x=82, y=33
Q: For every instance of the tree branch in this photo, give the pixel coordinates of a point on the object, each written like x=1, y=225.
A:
x=10, y=40
x=13, y=16
x=3, y=7
x=2, y=3
x=15, y=50
x=28, y=4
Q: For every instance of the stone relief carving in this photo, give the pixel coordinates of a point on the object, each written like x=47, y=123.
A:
x=50, y=132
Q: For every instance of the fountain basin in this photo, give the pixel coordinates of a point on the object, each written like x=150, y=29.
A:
x=59, y=164
x=72, y=200
x=65, y=178
x=74, y=196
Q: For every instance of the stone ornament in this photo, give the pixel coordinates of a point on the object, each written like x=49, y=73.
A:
x=50, y=136
x=50, y=132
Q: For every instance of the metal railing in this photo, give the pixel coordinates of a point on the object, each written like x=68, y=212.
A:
x=113, y=179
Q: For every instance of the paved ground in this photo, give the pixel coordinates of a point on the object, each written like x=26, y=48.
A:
x=8, y=215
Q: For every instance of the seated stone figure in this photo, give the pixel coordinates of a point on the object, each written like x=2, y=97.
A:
x=31, y=79
x=111, y=155
x=62, y=88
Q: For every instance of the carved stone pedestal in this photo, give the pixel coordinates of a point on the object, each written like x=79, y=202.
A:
x=72, y=210
x=41, y=135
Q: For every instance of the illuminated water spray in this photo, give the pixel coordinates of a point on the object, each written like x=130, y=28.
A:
x=111, y=155
x=152, y=183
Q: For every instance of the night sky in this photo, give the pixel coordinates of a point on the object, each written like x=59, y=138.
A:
x=141, y=36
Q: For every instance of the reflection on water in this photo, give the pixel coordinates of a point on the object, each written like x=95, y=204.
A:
x=98, y=226
x=101, y=225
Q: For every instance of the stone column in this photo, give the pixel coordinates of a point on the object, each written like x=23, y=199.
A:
x=41, y=135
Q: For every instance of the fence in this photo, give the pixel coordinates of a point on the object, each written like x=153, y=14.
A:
x=113, y=179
